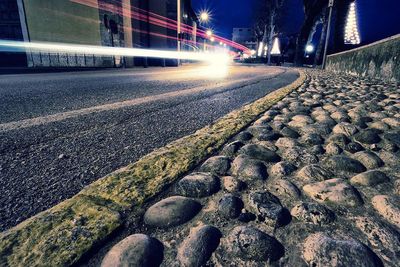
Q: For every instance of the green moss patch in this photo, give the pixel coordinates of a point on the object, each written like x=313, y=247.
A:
x=58, y=236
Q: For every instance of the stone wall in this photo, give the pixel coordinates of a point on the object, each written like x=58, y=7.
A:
x=380, y=60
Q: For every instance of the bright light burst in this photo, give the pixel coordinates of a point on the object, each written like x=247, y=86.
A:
x=309, y=48
x=205, y=16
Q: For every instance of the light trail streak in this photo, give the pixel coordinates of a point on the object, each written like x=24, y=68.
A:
x=189, y=43
x=211, y=57
x=156, y=19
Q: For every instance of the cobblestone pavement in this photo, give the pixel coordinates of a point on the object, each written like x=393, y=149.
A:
x=315, y=181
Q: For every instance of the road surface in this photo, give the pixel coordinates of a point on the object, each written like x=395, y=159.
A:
x=62, y=131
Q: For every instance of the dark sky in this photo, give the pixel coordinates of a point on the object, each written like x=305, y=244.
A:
x=377, y=18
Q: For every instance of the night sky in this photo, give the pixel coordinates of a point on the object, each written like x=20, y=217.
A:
x=377, y=18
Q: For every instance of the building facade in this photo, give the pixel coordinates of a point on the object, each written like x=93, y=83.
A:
x=113, y=23
x=245, y=36
x=10, y=29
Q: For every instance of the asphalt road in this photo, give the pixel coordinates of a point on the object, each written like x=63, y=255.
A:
x=62, y=131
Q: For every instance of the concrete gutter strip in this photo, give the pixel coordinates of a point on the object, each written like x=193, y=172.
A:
x=60, y=235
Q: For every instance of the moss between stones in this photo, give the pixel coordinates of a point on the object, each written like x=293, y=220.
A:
x=58, y=236
x=61, y=235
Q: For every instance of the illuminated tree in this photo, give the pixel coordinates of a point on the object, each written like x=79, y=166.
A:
x=269, y=13
x=351, y=35
x=275, y=47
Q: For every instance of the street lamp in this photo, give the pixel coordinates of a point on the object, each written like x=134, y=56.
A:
x=209, y=33
x=178, y=28
x=309, y=48
x=204, y=16
x=328, y=31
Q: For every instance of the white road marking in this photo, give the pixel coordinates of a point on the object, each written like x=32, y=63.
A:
x=26, y=123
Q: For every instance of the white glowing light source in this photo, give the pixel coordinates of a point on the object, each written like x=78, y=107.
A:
x=260, y=49
x=352, y=35
x=209, y=33
x=212, y=39
x=214, y=70
x=113, y=51
x=221, y=43
x=275, y=47
x=253, y=52
x=204, y=16
x=309, y=48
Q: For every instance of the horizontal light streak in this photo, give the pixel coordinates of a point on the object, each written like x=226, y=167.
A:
x=210, y=57
x=155, y=19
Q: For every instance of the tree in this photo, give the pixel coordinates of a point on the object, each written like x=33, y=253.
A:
x=266, y=23
x=318, y=53
x=312, y=12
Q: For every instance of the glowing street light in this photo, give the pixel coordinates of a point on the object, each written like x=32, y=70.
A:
x=212, y=39
x=309, y=48
x=204, y=16
x=209, y=33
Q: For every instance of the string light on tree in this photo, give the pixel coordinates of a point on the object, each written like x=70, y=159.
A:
x=352, y=36
x=275, y=47
x=266, y=50
x=260, y=49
